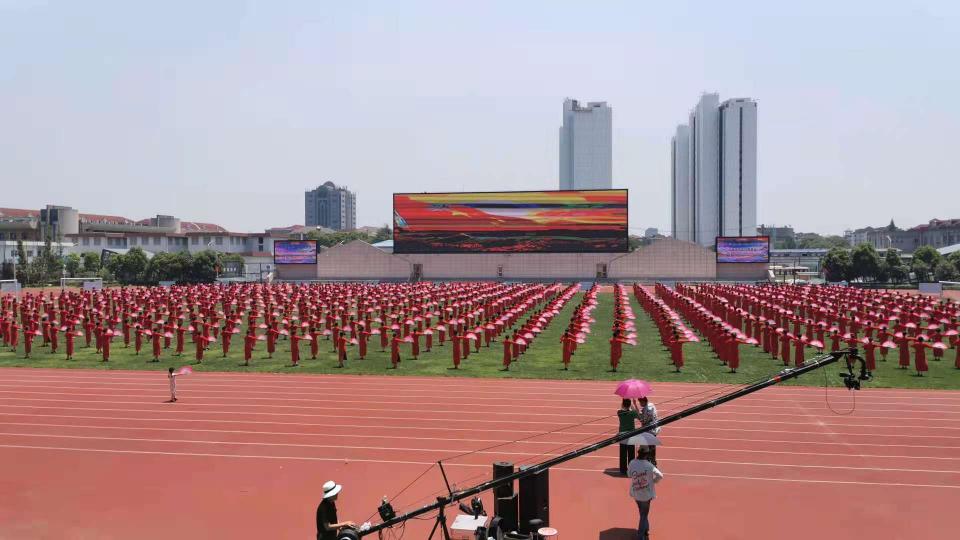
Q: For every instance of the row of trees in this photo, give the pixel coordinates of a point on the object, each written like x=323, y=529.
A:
x=343, y=237
x=864, y=263
x=131, y=268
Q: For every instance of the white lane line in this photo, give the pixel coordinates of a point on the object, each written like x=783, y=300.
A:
x=460, y=452
x=673, y=429
x=436, y=392
x=468, y=384
x=194, y=393
x=174, y=409
x=456, y=413
x=507, y=442
x=398, y=462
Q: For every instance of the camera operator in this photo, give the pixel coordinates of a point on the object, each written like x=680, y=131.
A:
x=327, y=524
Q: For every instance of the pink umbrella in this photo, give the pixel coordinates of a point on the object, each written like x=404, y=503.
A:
x=633, y=388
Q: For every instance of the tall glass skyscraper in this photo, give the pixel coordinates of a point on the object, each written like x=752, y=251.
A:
x=586, y=146
x=714, y=171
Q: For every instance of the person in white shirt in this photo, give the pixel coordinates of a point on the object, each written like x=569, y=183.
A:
x=647, y=414
x=643, y=477
x=173, y=384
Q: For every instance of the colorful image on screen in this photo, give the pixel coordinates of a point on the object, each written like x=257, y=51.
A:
x=743, y=249
x=511, y=222
x=295, y=252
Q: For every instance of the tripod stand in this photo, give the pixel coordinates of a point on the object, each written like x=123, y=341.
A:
x=441, y=523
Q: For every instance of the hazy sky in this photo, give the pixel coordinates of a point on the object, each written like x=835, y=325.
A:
x=227, y=111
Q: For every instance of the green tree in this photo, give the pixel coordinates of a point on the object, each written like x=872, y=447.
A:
x=892, y=258
x=925, y=260
x=922, y=270
x=168, y=267
x=383, y=233
x=203, y=267
x=91, y=262
x=926, y=254
x=815, y=241
x=899, y=273
x=945, y=270
x=129, y=268
x=883, y=272
x=21, y=253
x=72, y=263
x=865, y=262
x=836, y=265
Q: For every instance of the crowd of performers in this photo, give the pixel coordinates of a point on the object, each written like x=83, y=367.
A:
x=624, y=329
x=181, y=319
x=673, y=332
x=787, y=320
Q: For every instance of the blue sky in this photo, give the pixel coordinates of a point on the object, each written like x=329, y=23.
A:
x=228, y=111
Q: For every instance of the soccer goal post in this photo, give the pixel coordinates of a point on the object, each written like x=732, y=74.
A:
x=10, y=286
x=85, y=283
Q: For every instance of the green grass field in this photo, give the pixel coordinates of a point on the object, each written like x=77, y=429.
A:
x=648, y=360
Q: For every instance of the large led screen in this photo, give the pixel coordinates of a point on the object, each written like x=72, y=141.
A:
x=743, y=249
x=592, y=221
x=295, y=252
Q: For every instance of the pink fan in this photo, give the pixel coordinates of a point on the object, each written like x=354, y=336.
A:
x=261, y=338
x=520, y=341
x=185, y=370
x=234, y=330
x=816, y=344
x=375, y=332
x=408, y=339
x=939, y=345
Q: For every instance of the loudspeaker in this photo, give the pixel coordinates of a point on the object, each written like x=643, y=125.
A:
x=501, y=469
x=534, y=499
x=506, y=509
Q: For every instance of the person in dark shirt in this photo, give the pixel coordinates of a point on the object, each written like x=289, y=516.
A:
x=627, y=415
x=327, y=524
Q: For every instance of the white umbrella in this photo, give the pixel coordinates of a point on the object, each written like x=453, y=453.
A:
x=645, y=439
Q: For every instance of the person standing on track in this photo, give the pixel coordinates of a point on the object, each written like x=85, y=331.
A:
x=627, y=415
x=327, y=525
x=644, y=475
x=173, y=384
x=647, y=414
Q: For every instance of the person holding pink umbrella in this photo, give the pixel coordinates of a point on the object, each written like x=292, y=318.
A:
x=630, y=411
x=627, y=416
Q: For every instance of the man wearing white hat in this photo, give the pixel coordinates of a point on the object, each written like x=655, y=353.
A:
x=327, y=525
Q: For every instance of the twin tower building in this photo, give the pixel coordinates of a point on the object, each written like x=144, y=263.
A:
x=713, y=157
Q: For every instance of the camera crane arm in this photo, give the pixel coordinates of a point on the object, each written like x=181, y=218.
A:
x=851, y=381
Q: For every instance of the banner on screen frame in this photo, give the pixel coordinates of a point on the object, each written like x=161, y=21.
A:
x=743, y=249
x=295, y=252
x=585, y=221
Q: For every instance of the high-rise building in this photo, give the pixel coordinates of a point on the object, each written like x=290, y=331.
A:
x=330, y=206
x=586, y=146
x=682, y=189
x=714, y=171
x=738, y=167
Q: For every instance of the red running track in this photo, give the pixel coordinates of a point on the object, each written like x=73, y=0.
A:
x=97, y=454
